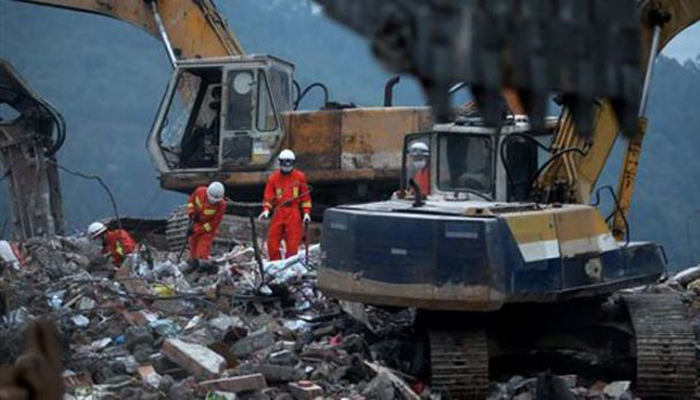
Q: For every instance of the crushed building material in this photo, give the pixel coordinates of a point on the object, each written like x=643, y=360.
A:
x=147, y=330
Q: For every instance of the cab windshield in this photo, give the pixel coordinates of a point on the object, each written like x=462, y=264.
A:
x=465, y=162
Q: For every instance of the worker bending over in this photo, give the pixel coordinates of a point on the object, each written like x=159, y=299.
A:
x=116, y=243
x=286, y=192
x=206, y=208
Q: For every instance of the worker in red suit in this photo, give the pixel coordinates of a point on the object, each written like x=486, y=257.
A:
x=419, y=154
x=206, y=208
x=287, y=198
x=116, y=243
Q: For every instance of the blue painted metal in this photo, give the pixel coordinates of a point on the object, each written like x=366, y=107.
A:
x=409, y=248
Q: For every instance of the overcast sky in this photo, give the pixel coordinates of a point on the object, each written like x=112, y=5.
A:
x=686, y=45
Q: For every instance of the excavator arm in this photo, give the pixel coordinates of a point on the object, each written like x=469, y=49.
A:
x=194, y=28
x=572, y=177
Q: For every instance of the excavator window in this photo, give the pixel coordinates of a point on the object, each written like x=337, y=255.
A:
x=465, y=162
x=266, y=118
x=279, y=82
x=179, y=111
x=239, y=116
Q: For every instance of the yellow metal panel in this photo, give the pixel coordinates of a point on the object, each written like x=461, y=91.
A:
x=531, y=227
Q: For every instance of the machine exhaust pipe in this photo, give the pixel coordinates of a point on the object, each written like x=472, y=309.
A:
x=389, y=90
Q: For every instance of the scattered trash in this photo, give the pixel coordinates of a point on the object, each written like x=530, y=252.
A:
x=147, y=330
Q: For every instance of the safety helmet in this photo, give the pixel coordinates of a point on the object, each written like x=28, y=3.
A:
x=286, y=159
x=419, y=149
x=215, y=192
x=96, y=229
x=286, y=154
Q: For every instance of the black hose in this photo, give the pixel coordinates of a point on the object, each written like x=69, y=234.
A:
x=503, y=158
x=546, y=164
x=56, y=117
x=306, y=91
x=617, y=209
x=100, y=181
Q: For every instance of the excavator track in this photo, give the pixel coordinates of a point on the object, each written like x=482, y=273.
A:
x=666, y=365
x=459, y=364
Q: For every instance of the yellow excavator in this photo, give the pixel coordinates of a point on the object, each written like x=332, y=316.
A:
x=226, y=115
x=493, y=240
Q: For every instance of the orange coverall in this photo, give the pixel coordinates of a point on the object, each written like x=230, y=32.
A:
x=422, y=178
x=118, y=243
x=206, y=218
x=286, y=193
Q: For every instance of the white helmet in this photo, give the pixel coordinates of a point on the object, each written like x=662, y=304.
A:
x=215, y=192
x=419, y=149
x=96, y=229
x=286, y=159
x=287, y=154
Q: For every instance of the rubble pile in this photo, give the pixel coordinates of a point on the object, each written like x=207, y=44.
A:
x=148, y=330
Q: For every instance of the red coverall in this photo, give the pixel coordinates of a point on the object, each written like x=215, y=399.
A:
x=422, y=178
x=206, y=218
x=118, y=243
x=285, y=193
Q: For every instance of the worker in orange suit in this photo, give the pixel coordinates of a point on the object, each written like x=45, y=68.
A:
x=116, y=243
x=287, y=198
x=419, y=154
x=206, y=208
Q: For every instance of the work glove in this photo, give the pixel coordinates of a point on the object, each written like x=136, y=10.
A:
x=307, y=218
x=264, y=215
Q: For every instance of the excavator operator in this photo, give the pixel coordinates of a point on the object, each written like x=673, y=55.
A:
x=419, y=157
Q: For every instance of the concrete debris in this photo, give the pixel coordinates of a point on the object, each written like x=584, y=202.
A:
x=148, y=330
x=236, y=383
x=618, y=390
x=687, y=275
x=199, y=360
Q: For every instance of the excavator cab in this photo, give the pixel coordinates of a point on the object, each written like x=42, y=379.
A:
x=466, y=160
x=222, y=114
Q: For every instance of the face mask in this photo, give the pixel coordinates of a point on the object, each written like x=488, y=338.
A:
x=419, y=164
x=286, y=169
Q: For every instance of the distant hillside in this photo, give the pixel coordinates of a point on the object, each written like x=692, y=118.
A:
x=107, y=79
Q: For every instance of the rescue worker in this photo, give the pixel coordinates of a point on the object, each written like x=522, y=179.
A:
x=116, y=243
x=206, y=208
x=286, y=192
x=419, y=156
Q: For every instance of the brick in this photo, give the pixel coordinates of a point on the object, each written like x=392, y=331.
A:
x=236, y=383
x=198, y=360
x=305, y=390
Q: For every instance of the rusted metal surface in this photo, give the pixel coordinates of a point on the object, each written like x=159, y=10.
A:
x=353, y=287
x=339, y=147
x=27, y=154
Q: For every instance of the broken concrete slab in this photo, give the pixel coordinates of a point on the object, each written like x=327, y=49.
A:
x=236, y=384
x=305, y=390
x=252, y=343
x=281, y=373
x=198, y=360
x=618, y=389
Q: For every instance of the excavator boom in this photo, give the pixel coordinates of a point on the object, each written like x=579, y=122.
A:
x=195, y=28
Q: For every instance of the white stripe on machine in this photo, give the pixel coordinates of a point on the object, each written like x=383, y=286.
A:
x=538, y=251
